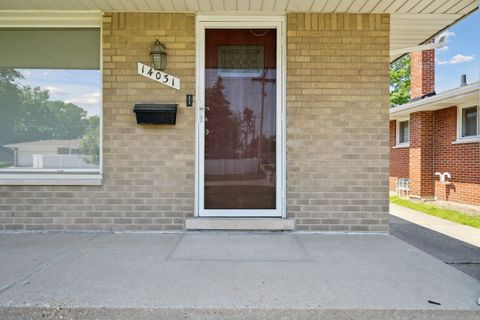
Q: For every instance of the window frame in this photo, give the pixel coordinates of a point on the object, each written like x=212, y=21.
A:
x=27, y=176
x=399, y=144
x=460, y=137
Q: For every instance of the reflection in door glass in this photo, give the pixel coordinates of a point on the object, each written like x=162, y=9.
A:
x=240, y=135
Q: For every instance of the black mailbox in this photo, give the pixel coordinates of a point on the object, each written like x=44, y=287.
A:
x=156, y=113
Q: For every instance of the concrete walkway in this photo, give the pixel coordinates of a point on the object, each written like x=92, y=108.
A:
x=455, y=230
x=227, y=276
x=455, y=253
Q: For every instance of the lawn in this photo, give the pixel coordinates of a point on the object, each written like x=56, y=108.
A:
x=451, y=215
x=5, y=164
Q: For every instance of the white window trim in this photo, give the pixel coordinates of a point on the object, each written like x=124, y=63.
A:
x=469, y=139
x=46, y=179
x=397, y=134
x=64, y=177
x=47, y=19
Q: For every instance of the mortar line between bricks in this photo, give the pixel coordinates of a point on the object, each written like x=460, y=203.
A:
x=47, y=264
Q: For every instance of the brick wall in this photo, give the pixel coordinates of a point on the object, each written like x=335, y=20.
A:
x=431, y=149
x=148, y=171
x=421, y=154
x=399, y=165
x=462, y=161
x=438, y=154
x=338, y=76
x=422, y=73
x=337, y=96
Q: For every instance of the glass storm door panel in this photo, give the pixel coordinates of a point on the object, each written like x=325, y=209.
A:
x=240, y=121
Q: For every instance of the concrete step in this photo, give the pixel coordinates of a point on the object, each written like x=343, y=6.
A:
x=250, y=224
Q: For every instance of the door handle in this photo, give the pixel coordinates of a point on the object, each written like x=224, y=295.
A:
x=204, y=108
x=207, y=132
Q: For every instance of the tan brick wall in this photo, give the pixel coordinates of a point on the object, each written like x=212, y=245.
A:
x=148, y=171
x=337, y=129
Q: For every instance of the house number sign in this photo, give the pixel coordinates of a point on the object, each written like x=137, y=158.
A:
x=159, y=76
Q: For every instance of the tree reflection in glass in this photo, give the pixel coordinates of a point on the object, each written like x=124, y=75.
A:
x=240, y=101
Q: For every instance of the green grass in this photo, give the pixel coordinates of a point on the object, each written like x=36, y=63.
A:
x=5, y=164
x=451, y=215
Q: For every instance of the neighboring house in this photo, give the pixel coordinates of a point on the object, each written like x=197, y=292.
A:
x=288, y=128
x=48, y=154
x=437, y=135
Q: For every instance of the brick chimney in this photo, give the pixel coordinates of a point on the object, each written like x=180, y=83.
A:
x=422, y=72
x=422, y=77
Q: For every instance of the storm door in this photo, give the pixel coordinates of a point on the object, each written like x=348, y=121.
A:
x=239, y=112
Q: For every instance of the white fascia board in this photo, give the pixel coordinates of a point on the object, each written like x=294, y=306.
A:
x=443, y=99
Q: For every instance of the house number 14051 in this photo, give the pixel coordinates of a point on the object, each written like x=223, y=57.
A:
x=159, y=76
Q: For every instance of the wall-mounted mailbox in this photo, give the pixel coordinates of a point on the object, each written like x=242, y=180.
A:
x=156, y=113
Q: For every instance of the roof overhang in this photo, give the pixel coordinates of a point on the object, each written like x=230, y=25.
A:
x=412, y=21
x=462, y=96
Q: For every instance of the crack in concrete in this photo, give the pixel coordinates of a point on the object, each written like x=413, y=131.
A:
x=44, y=266
x=174, y=248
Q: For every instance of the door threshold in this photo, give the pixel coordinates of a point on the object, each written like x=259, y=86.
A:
x=270, y=224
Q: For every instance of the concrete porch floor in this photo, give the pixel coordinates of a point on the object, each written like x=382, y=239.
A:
x=227, y=276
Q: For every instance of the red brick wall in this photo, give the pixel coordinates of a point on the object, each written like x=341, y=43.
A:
x=422, y=73
x=398, y=159
x=421, y=154
x=431, y=150
x=462, y=161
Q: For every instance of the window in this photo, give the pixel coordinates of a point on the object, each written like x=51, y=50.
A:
x=50, y=102
x=469, y=122
x=403, y=133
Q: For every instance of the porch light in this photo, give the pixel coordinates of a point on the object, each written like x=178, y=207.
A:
x=159, y=56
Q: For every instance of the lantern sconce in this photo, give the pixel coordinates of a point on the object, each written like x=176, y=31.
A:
x=159, y=56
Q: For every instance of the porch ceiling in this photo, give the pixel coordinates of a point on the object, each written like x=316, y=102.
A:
x=412, y=21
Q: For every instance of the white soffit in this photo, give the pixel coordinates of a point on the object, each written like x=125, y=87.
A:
x=412, y=21
x=413, y=29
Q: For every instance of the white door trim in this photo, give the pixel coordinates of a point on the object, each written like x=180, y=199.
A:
x=241, y=22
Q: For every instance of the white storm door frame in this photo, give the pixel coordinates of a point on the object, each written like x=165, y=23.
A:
x=240, y=22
